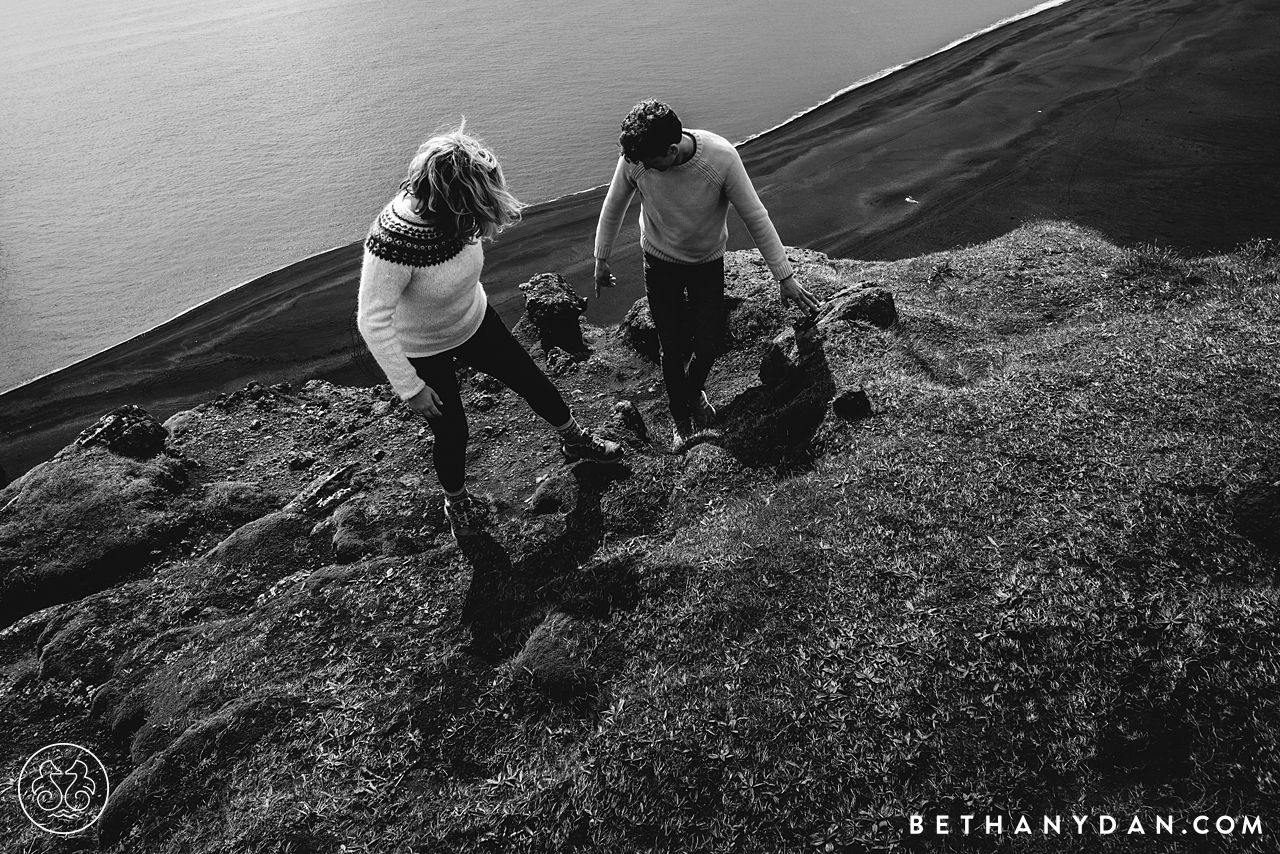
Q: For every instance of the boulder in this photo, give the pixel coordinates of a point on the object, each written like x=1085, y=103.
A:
x=558, y=493
x=353, y=535
x=866, y=304
x=363, y=528
x=639, y=333
x=561, y=362
x=625, y=414
x=129, y=431
x=552, y=308
x=276, y=540
x=182, y=422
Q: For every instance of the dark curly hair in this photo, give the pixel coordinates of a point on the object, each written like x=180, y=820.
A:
x=649, y=130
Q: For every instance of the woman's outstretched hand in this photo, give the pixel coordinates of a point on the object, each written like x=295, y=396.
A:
x=426, y=402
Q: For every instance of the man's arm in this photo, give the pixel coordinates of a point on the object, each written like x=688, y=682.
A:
x=742, y=195
x=616, y=202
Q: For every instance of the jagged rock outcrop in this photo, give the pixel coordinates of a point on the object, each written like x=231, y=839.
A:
x=129, y=431
x=861, y=302
x=552, y=312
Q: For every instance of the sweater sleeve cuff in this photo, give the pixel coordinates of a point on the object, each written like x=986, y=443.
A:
x=782, y=271
x=406, y=392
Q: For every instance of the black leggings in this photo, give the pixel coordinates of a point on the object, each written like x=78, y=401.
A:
x=493, y=350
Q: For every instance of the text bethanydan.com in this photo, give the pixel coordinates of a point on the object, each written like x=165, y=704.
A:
x=967, y=824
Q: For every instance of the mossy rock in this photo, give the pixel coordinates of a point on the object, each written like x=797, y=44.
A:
x=81, y=522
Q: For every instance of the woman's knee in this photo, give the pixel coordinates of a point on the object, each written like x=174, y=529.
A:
x=450, y=426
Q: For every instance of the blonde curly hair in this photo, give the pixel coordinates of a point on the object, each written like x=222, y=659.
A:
x=456, y=180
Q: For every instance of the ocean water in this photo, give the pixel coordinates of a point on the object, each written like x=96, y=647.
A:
x=156, y=153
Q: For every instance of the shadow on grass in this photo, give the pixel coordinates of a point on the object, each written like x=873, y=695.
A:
x=515, y=584
x=773, y=424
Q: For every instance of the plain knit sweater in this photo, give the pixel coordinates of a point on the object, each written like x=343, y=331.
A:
x=684, y=213
x=420, y=293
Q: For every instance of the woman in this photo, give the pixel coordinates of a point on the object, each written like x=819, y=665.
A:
x=421, y=306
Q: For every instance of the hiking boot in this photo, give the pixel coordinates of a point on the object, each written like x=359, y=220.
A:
x=704, y=414
x=588, y=446
x=467, y=515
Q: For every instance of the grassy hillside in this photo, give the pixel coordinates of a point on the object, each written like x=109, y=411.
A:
x=1037, y=579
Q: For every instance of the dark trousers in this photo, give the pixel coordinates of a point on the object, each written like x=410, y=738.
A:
x=686, y=302
x=493, y=350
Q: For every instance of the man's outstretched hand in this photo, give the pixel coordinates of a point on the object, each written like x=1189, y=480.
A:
x=604, y=276
x=790, y=291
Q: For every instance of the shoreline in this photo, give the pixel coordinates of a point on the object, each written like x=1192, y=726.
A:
x=894, y=69
x=1049, y=4
x=1150, y=123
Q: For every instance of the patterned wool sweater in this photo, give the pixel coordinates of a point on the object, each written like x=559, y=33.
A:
x=684, y=215
x=420, y=293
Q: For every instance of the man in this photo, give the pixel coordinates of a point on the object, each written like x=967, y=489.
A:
x=688, y=179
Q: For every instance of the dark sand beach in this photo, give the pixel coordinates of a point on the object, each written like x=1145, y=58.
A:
x=1151, y=121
